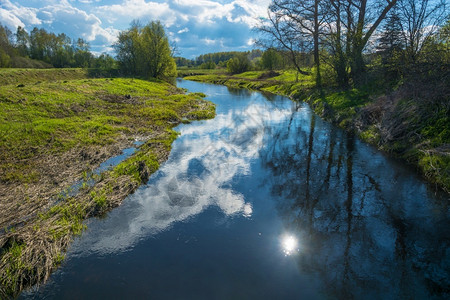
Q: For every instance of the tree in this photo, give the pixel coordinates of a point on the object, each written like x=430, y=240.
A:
x=306, y=19
x=155, y=52
x=391, y=39
x=208, y=65
x=145, y=51
x=421, y=21
x=350, y=26
x=238, y=64
x=22, y=41
x=271, y=59
x=127, y=49
x=6, y=49
x=105, y=62
x=281, y=32
x=82, y=56
x=391, y=46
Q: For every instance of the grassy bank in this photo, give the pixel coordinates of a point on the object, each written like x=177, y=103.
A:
x=410, y=121
x=56, y=126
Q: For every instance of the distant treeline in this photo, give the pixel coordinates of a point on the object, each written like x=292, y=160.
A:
x=218, y=59
x=43, y=49
x=236, y=61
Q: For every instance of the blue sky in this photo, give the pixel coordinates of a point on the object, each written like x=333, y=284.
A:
x=197, y=26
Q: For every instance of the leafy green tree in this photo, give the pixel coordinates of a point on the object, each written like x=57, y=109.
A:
x=271, y=59
x=126, y=49
x=239, y=64
x=145, y=51
x=208, y=65
x=83, y=57
x=155, y=52
x=5, y=47
x=22, y=41
x=105, y=62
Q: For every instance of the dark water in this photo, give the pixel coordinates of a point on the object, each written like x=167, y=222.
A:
x=266, y=201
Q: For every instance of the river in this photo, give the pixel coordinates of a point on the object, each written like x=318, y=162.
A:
x=266, y=201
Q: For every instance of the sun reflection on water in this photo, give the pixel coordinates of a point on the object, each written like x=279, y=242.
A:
x=289, y=244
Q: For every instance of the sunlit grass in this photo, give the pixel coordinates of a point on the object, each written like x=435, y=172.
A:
x=62, y=116
x=52, y=117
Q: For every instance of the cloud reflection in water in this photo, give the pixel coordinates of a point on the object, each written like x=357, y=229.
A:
x=199, y=173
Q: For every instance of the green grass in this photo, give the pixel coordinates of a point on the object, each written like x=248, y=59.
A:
x=53, y=117
x=11, y=76
x=182, y=72
x=65, y=111
x=342, y=107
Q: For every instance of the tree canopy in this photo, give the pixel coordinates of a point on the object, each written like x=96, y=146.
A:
x=43, y=49
x=145, y=51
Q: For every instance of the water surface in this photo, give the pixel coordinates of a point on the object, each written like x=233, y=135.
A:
x=266, y=201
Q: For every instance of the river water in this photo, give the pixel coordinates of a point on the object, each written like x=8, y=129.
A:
x=266, y=201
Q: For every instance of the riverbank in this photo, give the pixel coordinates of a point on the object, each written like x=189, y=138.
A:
x=410, y=121
x=56, y=127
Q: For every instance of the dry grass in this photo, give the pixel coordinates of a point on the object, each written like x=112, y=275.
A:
x=95, y=119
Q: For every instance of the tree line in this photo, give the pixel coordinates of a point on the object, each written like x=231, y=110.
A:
x=343, y=34
x=217, y=59
x=43, y=49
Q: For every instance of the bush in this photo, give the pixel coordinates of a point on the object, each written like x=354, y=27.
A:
x=238, y=64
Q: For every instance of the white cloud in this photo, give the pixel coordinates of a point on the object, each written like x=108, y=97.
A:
x=217, y=25
x=206, y=158
x=14, y=15
x=183, y=30
x=10, y=20
x=209, y=41
x=138, y=9
x=77, y=23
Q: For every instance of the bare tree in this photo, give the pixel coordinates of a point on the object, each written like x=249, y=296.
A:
x=351, y=23
x=281, y=32
x=421, y=20
x=300, y=20
x=346, y=25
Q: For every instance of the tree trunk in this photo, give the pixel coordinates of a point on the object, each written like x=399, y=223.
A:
x=316, y=44
x=358, y=67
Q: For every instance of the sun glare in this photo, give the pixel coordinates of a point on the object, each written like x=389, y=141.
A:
x=289, y=244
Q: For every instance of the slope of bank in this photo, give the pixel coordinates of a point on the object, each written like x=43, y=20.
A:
x=412, y=122
x=55, y=130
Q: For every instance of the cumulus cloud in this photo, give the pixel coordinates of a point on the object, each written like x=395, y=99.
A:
x=197, y=26
x=60, y=17
x=137, y=9
x=13, y=15
x=10, y=20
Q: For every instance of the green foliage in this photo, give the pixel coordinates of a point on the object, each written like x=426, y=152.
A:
x=436, y=166
x=43, y=49
x=15, y=262
x=53, y=117
x=271, y=59
x=208, y=65
x=5, y=59
x=105, y=62
x=145, y=51
x=238, y=64
x=60, y=117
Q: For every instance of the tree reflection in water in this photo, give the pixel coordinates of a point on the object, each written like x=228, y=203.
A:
x=368, y=227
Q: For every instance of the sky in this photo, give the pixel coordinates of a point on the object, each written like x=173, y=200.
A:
x=196, y=26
